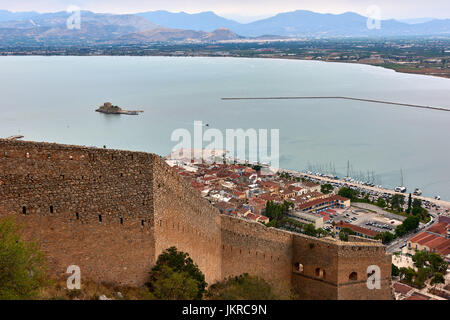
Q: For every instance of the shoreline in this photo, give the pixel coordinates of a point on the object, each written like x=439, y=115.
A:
x=397, y=70
x=443, y=203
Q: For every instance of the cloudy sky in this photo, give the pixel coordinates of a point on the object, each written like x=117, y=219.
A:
x=243, y=10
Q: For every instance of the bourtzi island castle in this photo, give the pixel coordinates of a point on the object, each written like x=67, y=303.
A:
x=113, y=212
x=109, y=108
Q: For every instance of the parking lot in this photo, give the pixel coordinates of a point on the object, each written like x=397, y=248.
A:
x=365, y=218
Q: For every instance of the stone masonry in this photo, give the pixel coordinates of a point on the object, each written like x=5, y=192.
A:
x=113, y=212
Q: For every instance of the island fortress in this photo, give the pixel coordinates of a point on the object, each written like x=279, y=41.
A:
x=113, y=212
x=108, y=108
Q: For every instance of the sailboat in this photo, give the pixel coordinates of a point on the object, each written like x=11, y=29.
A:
x=400, y=188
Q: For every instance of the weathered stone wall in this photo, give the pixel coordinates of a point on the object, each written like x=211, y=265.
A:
x=356, y=258
x=102, y=251
x=250, y=247
x=85, y=206
x=333, y=269
x=113, y=212
x=183, y=218
x=311, y=254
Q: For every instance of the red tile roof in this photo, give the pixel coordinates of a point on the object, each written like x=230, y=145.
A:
x=434, y=242
x=402, y=288
x=316, y=202
x=440, y=228
x=357, y=229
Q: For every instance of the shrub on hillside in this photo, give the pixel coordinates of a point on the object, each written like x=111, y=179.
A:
x=243, y=287
x=22, y=268
x=176, y=276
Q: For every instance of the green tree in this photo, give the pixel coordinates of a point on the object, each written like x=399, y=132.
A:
x=171, y=285
x=344, y=233
x=385, y=237
x=397, y=202
x=417, y=203
x=177, y=262
x=381, y=202
x=420, y=258
x=243, y=287
x=408, y=211
x=348, y=193
x=421, y=276
x=277, y=211
x=309, y=230
x=408, y=274
x=326, y=188
x=395, y=271
x=22, y=264
x=437, y=263
x=409, y=224
x=438, y=278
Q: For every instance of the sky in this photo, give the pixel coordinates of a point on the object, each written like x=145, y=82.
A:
x=243, y=10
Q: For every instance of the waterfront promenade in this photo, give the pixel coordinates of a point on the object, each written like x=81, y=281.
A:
x=441, y=203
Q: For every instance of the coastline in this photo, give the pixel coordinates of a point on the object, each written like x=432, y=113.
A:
x=443, y=203
x=396, y=68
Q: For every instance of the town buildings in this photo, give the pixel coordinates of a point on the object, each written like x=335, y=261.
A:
x=243, y=191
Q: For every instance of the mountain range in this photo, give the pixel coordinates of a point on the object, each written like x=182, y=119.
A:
x=162, y=26
x=300, y=23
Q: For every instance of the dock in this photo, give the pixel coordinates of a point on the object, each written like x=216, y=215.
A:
x=342, y=98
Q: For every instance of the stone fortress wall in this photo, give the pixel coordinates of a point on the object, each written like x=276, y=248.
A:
x=113, y=212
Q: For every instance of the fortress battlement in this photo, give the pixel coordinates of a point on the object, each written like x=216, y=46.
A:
x=112, y=212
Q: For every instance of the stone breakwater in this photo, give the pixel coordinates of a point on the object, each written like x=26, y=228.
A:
x=342, y=98
x=113, y=212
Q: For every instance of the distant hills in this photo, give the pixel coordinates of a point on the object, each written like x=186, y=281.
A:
x=51, y=28
x=300, y=23
x=9, y=16
x=163, y=26
x=169, y=34
x=204, y=21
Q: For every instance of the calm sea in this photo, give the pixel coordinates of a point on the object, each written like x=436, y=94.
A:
x=54, y=98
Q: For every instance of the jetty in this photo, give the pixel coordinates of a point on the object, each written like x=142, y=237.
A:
x=108, y=108
x=341, y=98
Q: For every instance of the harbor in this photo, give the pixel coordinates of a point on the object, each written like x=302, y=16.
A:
x=376, y=189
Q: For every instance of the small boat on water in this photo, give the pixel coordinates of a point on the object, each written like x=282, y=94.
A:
x=437, y=198
x=400, y=189
x=417, y=192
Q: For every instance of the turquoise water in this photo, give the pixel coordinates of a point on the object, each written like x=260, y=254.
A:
x=54, y=98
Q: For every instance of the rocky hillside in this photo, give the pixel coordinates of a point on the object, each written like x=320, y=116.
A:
x=51, y=29
x=167, y=35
